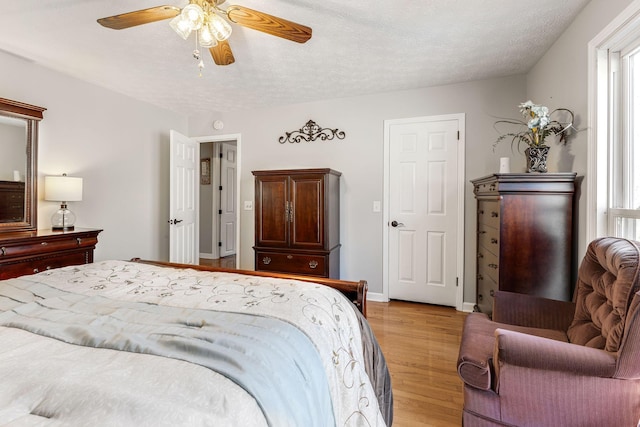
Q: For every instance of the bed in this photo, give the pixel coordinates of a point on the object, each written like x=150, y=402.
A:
x=147, y=343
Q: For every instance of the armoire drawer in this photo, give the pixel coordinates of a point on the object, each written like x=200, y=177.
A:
x=292, y=263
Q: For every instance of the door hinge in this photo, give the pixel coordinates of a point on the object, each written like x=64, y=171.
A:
x=456, y=282
x=220, y=188
x=458, y=135
x=219, y=211
x=220, y=244
x=220, y=155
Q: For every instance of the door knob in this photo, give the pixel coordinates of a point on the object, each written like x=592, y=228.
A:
x=396, y=224
x=175, y=221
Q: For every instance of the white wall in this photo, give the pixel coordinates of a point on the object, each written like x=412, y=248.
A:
x=559, y=79
x=360, y=157
x=117, y=144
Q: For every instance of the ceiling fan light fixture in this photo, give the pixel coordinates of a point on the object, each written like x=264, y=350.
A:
x=206, y=37
x=220, y=28
x=180, y=26
x=194, y=15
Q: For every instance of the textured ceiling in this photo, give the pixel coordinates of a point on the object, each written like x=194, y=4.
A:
x=358, y=47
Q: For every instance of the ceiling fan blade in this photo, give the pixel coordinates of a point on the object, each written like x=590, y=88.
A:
x=268, y=24
x=139, y=17
x=222, y=54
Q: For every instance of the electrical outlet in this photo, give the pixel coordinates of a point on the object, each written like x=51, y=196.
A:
x=248, y=205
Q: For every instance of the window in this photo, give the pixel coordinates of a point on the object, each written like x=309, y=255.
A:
x=614, y=133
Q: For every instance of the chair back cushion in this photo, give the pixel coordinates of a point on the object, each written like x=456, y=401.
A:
x=607, y=281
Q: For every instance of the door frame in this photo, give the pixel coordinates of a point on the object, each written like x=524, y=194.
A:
x=228, y=138
x=460, y=117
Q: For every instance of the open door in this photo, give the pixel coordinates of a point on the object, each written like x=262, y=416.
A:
x=183, y=199
x=228, y=203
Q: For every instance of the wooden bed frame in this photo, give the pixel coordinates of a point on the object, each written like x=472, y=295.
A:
x=356, y=292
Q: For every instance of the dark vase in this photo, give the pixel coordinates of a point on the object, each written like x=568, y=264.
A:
x=537, y=158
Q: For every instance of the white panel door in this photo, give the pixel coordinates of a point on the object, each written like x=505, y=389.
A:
x=228, y=195
x=183, y=199
x=423, y=214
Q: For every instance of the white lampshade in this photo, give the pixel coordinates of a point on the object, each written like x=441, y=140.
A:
x=63, y=188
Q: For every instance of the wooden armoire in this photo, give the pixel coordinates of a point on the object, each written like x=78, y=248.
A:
x=525, y=235
x=297, y=221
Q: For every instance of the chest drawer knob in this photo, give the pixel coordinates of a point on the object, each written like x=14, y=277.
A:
x=266, y=260
x=44, y=243
x=35, y=270
x=78, y=241
x=289, y=256
x=313, y=263
x=3, y=250
x=494, y=241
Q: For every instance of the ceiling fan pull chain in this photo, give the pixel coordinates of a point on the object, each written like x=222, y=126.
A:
x=196, y=56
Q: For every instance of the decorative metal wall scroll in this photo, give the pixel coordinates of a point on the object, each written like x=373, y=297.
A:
x=310, y=132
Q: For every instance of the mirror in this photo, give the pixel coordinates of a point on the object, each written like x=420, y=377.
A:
x=18, y=165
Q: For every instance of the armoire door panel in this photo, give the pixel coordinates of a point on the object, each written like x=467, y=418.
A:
x=307, y=201
x=271, y=208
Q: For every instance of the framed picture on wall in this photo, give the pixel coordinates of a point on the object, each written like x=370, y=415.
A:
x=205, y=171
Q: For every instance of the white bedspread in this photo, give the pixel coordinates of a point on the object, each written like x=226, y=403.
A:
x=321, y=313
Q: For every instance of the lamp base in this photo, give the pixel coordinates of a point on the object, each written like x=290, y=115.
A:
x=70, y=228
x=63, y=219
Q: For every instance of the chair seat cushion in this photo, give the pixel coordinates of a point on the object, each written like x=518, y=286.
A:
x=475, y=364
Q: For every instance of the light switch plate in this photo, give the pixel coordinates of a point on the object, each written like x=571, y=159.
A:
x=248, y=205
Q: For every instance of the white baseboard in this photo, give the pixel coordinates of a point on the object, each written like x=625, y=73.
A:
x=376, y=297
x=208, y=256
x=467, y=307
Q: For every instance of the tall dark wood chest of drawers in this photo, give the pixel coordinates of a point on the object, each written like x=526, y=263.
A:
x=29, y=252
x=297, y=221
x=525, y=238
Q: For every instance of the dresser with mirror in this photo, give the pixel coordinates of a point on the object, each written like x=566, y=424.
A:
x=24, y=248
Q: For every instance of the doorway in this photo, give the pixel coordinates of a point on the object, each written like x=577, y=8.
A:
x=219, y=202
x=423, y=219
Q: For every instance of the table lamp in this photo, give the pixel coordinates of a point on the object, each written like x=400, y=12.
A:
x=63, y=189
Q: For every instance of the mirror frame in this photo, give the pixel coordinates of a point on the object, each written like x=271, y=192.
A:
x=32, y=115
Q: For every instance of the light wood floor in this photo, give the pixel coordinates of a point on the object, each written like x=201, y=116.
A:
x=420, y=343
x=224, y=262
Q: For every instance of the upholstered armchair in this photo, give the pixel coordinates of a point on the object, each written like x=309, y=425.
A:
x=542, y=362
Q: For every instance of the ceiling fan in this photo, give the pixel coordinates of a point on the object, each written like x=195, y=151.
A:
x=210, y=23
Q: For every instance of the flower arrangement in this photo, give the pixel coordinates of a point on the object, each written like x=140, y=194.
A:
x=538, y=126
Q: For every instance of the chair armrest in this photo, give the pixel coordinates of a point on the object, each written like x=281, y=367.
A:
x=530, y=351
x=532, y=311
